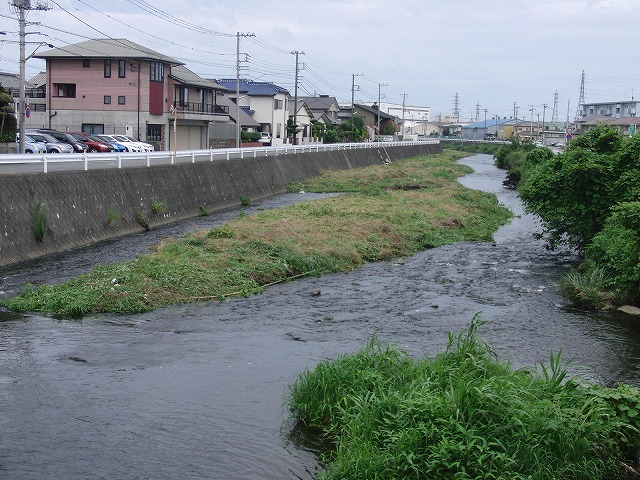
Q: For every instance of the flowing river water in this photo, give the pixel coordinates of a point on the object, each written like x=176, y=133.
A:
x=198, y=391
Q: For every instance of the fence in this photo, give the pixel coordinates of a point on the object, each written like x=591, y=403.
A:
x=55, y=162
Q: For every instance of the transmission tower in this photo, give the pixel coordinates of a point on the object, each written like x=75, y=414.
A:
x=581, y=98
x=456, y=106
x=554, y=113
x=477, y=112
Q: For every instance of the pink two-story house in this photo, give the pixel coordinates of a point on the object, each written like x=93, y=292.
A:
x=117, y=86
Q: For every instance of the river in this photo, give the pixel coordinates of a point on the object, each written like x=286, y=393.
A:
x=197, y=391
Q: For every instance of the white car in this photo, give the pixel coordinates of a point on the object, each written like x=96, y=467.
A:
x=265, y=138
x=132, y=143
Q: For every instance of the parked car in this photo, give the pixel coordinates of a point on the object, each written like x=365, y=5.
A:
x=53, y=145
x=33, y=147
x=126, y=140
x=95, y=145
x=117, y=146
x=265, y=138
x=65, y=137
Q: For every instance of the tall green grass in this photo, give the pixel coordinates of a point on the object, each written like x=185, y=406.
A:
x=393, y=211
x=464, y=414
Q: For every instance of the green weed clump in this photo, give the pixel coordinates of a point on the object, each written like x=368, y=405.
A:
x=464, y=414
x=377, y=222
x=40, y=219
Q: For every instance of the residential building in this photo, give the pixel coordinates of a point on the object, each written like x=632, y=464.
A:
x=303, y=118
x=627, y=126
x=118, y=86
x=266, y=102
x=325, y=109
x=35, y=96
x=620, y=109
x=620, y=115
x=370, y=116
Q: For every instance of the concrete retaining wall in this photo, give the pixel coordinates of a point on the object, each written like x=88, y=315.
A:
x=86, y=207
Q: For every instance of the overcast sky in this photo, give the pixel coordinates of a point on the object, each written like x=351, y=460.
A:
x=492, y=52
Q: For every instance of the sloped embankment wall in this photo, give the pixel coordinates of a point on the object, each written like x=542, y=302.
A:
x=80, y=206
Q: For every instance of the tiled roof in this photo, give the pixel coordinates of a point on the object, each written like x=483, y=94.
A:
x=107, y=48
x=12, y=80
x=252, y=88
x=183, y=75
x=323, y=103
x=39, y=79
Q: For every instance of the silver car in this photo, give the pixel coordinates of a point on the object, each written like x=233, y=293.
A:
x=53, y=145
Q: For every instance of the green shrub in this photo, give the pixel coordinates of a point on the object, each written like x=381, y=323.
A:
x=141, y=218
x=249, y=136
x=158, y=207
x=40, y=219
x=617, y=249
x=112, y=217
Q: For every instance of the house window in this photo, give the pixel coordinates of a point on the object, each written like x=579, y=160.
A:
x=278, y=104
x=86, y=63
x=93, y=128
x=183, y=96
x=154, y=133
x=65, y=90
x=107, y=99
x=278, y=130
x=122, y=68
x=157, y=71
x=203, y=99
x=121, y=99
x=107, y=69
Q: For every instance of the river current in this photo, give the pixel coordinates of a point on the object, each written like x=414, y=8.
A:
x=198, y=391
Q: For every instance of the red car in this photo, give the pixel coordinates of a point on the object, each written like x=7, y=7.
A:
x=94, y=145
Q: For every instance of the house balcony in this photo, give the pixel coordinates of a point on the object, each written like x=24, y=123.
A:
x=203, y=111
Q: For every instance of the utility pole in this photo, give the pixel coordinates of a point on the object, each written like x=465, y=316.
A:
x=238, y=35
x=544, y=111
x=581, y=98
x=21, y=7
x=295, y=99
x=531, y=110
x=485, y=121
x=380, y=85
x=404, y=97
x=353, y=89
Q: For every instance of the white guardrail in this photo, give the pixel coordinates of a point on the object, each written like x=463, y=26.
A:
x=50, y=162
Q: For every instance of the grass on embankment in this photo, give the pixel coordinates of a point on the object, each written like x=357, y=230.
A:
x=392, y=211
x=464, y=415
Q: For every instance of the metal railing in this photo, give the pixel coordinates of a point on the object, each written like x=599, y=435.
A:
x=202, y=108
x=11, y=164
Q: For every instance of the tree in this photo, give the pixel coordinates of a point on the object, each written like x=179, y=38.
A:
x=573, y=192
x=292, y=129
x=8, y=121
x=317, y=129
x=387, y=128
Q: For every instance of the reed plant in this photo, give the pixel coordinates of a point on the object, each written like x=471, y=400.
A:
x=464, y=414
x=587, y=288
x=392, y=211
